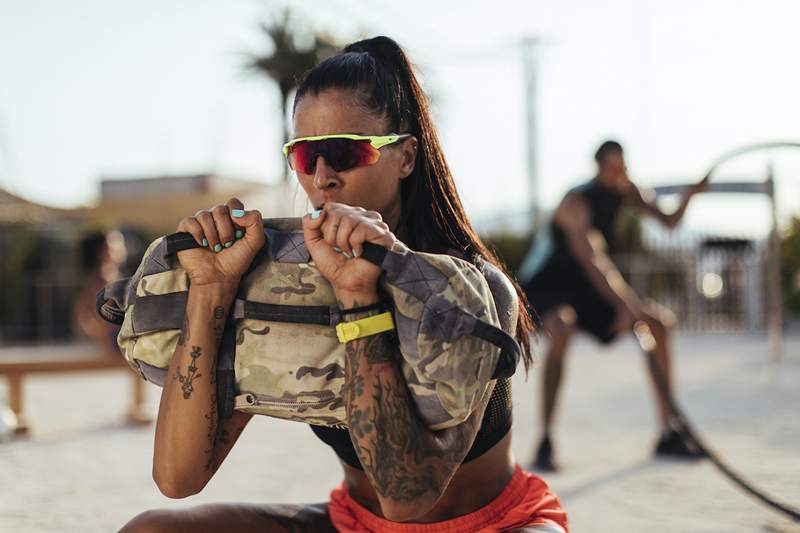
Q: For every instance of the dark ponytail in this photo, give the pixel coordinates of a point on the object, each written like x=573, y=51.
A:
x=432, y=216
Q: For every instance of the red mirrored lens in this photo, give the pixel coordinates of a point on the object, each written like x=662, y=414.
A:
x=339, y=154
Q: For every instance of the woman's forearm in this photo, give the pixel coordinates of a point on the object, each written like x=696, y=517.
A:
x=186, y=430
x=409, y=465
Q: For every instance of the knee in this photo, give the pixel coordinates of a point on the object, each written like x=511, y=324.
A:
x=152, y=521
x=658, y=327
x=659, y=317
x=560, y=322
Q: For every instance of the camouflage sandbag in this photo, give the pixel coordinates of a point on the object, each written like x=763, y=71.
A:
x=280, y=355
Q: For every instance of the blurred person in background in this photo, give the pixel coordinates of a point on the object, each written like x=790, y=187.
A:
x=571, y=281
x=396, y=470
x=101, y=256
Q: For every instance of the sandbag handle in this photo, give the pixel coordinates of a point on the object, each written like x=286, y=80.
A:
x=108, y=302
x=182, y=240
x=509, y=348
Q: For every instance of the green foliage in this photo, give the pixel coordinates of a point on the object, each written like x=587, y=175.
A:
x=510, y=247
x=37, y=279
x=628, y=232
x=790, y=266
x=290, y=53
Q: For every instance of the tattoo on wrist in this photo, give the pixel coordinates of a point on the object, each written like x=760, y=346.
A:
x=219, y=322
x=212, y=429
x=183, y=338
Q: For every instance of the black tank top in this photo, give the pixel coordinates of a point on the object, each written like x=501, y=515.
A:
x=551, y=262
x=604, y=204
x=494, y=426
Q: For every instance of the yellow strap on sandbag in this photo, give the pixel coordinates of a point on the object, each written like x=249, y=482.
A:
x=372, y=325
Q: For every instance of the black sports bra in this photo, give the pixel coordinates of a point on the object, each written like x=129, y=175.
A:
x=495, y=425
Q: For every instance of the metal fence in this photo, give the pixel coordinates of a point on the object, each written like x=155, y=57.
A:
x=711, y=284
x=40, y=277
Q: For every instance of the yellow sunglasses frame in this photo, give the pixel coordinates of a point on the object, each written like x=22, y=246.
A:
x=377, y=141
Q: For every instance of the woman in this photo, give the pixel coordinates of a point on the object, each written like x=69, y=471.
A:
x=458, y=479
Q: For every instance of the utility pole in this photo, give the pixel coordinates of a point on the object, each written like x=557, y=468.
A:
x=5, y=154
x=774, y=300
x=530, y=62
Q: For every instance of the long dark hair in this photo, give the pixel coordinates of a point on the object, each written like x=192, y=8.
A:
x=379, y=72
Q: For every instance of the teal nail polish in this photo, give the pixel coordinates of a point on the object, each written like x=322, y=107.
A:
x=354, y=252
x=239, y=233
x=316, y=213
x=204, y=243
x=337, y=249
x=217, y=247
x=228, y=244
x=237, y=213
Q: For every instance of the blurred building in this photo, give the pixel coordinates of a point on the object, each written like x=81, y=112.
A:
x=40, y=266
x=155, y=205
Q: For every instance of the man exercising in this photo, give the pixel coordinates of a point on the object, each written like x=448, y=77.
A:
x=571, y=282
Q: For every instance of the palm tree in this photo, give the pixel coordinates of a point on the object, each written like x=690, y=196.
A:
x=285, y=62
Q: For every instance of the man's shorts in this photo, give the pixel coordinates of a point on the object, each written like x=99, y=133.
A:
x=525, y=502
x=595, y=314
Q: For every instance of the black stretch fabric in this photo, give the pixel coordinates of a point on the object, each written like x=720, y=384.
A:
x=560, y=279
x=495, y=425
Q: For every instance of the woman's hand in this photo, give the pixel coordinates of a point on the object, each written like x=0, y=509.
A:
x=231, y=237
x=334, y=237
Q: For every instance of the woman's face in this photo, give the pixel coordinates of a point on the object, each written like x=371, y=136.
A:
x=374, y=187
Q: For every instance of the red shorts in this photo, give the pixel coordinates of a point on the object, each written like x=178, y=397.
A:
x=525, y=501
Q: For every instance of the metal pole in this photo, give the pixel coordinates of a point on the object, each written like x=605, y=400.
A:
x=774, y=303
x=530, y=60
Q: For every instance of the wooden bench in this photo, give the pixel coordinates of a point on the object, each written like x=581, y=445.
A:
x=18, y=362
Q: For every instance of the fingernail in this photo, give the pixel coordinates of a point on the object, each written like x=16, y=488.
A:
x=340, y=251
x=316, y=213
x=238, y=213
x=218, y=247
x=228, y=244
x=204, y=243
x=354, y=252
x=239, y=233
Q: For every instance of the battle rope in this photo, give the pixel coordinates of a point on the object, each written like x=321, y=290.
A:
x=682, y=426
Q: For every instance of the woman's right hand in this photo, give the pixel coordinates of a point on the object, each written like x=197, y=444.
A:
x=226, y=254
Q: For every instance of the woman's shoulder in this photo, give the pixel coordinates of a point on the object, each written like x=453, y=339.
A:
x=501, y=286
x=503, y=290
x=504, y=293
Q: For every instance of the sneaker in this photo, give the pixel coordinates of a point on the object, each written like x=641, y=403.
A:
x=544, y=456
x=672, y=444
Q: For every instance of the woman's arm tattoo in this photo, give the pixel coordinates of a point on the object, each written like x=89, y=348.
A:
x=191, y=374
x=403, y=458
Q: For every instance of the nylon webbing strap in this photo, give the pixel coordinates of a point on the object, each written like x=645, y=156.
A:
x=108, y=309
x=509, y=349
x=159, y=312
x=374, y=253
x=225, y=373
x=178, y=242
x=295, y=314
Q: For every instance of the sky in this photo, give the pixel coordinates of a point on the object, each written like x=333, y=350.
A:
x=105, y=88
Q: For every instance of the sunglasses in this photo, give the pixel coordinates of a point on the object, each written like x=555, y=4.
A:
x=341, y=151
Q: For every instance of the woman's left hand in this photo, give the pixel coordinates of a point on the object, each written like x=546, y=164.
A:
x=335, y=241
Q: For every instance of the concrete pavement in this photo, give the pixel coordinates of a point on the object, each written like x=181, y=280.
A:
x=83, y=471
